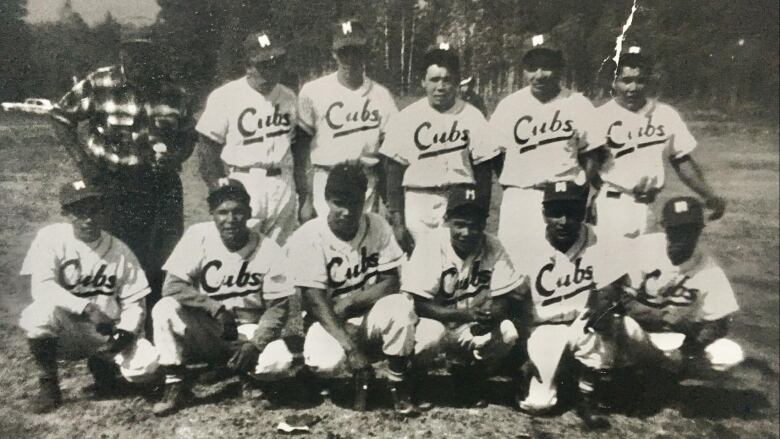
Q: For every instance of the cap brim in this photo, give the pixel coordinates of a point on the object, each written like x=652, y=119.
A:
x=350, y=42
x=268, y=55
x=82, y=196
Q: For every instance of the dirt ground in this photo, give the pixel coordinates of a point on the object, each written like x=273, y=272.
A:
x=741, y=160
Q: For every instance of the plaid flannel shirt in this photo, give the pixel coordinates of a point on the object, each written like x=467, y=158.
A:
x=130, y=126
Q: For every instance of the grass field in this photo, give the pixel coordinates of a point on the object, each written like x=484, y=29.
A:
x=741, y=160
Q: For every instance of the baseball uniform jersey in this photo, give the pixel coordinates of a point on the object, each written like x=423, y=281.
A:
x=70, y=273
x=435, y=272
x=242, y=279
x=256, y=131
x=695, y=291
x=436, y=146
x=325, y=262
x=540, y=141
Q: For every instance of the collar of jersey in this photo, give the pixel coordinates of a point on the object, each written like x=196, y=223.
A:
x=585, y=236
x=359, y=236
x=456, y=108
x=564, y=93
x=99, y=246
x=453, y=256
x=646, y=110
x=693, y=262
x=364, y=88
x=271, y=96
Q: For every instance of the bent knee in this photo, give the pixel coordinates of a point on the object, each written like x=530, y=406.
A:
x=397, y=308
x=508, y=332
x=165, y=308
x=274, y=362
x=723, y=354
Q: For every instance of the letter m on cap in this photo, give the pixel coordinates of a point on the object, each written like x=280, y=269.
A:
x=537, y=40
x=470, y=194
x=680, y=206
x=79, y=185
x=263, y=40
x=560, y=186
x=346, y=27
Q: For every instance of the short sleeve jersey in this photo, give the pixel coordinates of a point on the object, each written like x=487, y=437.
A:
x=561, y=282
x=103, y=272
x=436, y=146
x=325, y=262
x=436, y=272
x=638, y=140
x=245, y=278
x=695, y=291
x=256, y=130
x=346, y=125
x=540, y=141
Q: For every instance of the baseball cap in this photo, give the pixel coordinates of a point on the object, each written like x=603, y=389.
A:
x=136, y=35
x=346, y=182
x=538, y=44
x=634, y=55
x=73, y=192
x=227, y=189
x=463, y=201
x=263, y=46
x=564, y=191
x=349, y=32
x=682, y=211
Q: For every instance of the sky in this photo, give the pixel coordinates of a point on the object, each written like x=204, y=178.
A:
x=93, y=11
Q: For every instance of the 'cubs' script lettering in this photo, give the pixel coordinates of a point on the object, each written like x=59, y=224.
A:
x=336, y=117
x=618, y=135
x=248, y=125
x=424, y=138
x=674, y=293
x=525, y=128
x=337, y=276
x=449, y=282
x=546, y=286
x=243, y=278
x=71, y=269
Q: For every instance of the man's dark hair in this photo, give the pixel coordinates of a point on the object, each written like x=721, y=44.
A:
x=443, y=58
x=635, y=61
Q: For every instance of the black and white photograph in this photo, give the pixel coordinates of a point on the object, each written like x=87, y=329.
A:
x=343, y=219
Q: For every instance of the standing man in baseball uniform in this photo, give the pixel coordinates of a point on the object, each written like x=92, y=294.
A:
x=568, y=270
x=140, y=130
x=225, y=298
x=461, y=279
x=248, y=125
x=431, y=145
x=682, y=294
x=540, y=134
x=348, y=273
x=88, y=295
x=341, y=117
x=636, y=131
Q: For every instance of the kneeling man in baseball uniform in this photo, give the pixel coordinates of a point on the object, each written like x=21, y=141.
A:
x=225, y=297
x=567, y=271
x=347, y=268
x=684, y=301
x=461, y=279
x=88, y=295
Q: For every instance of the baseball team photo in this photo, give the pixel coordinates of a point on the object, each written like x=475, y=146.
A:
x=389, y=219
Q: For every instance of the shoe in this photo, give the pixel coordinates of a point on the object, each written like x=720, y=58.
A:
x=592, y=420
x=418, y=377
x=252, y=391
x=175, y=396
x=49, y=396
x=402, y=400
x=362, y=382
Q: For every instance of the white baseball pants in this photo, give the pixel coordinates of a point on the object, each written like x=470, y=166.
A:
x=273, y=201
x=424, y=210
x=184, y=335
x=432, y=337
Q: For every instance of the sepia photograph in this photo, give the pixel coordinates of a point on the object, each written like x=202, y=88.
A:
x=398, y=219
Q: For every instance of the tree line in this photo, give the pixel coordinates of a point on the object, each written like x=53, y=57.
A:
x=717, y=52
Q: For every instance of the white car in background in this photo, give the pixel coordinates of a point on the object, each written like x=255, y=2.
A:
x=30, y=105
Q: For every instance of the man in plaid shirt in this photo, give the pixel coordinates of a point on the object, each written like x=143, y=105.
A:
x=140, y=130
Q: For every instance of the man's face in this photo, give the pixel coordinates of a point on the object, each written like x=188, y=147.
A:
x=563, y=219
x=138, y=60
x=344, y=215
x=466, y=233
x=267, y=72
x=681, y=242
x=630, y=87
x=230, y=217
x=440, y=86
x=86, y=217
x=351, y=61
x=542, y=72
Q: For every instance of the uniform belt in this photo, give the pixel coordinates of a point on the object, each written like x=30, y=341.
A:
x=613, y=194
x=269, y=172
x=328, y=168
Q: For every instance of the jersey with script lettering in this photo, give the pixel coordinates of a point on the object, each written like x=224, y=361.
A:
x=695, y=291
x=102, y=272
x=561, y=282
x=245, y=278
x=540, y=141
x=436, y=146
x=325, y=262
x=345, y=124
x=436, y=272
x=256, y=130
x=638, y=140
